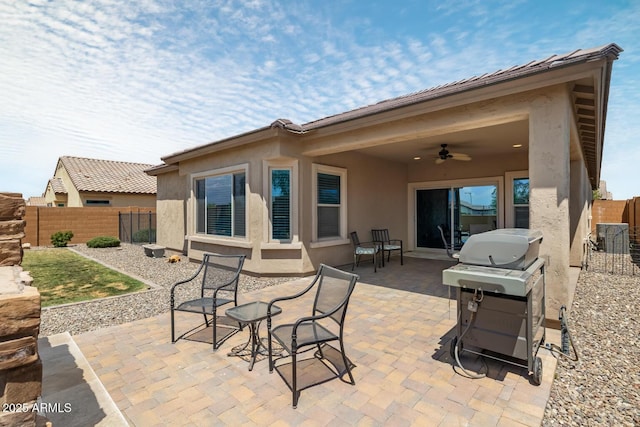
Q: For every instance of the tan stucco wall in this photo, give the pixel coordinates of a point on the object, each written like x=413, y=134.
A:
x=377, y=199
x=120, y=200
x=377, y=187
x=372, y=203
x=549, y=177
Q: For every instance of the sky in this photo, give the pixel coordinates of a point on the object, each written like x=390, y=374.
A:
x=139, y=80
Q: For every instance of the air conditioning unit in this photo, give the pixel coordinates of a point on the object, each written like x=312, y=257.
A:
x=613, y=238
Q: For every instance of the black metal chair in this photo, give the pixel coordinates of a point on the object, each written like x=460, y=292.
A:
x=388, y=245
x=364, y=248
x=215, y=284
x=451, y=250
x=333, y=289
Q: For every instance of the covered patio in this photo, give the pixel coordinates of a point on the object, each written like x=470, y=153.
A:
x=399, y=325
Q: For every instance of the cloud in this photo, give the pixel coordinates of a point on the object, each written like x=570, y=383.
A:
x=139, y=80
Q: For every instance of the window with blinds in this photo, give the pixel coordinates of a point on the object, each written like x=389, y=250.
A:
x=281, y=204
x=221, y=205
x=328, y=205
x=521, y=202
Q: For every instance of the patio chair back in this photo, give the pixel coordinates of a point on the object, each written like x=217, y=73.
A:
x=218, y=286
x=381, y=235
x=332, y=296
x=333, y=289
x=221, y=271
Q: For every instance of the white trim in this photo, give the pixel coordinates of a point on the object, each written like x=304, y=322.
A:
x=327, y=243
x=217, y=240
x=267, y=167
x=338, y=240
x=191, y=207
x=509, y=219
x=413, y=187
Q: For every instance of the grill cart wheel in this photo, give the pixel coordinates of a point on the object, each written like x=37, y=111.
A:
x=537, y=371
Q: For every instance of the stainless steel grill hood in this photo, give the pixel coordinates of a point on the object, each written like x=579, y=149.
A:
x=510, y=248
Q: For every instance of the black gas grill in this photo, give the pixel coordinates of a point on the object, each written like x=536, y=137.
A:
x=500, y=283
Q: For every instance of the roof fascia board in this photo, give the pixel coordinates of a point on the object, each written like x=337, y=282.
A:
x=223, y=144
x=161, y=169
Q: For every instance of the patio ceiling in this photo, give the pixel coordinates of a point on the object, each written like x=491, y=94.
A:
x=477, y=143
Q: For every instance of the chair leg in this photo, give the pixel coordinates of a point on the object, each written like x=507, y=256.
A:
x=346, y=363
x=213, y=325
x=294, y=380
x=173, y=329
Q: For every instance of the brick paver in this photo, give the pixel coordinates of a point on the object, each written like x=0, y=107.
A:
x=399, y=325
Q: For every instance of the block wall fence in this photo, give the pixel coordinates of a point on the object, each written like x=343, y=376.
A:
x=85, y=223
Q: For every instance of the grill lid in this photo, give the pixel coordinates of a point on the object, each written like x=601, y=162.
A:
x=513, y=248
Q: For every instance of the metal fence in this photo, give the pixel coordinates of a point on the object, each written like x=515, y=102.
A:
x=614, y=249
x=137, y=227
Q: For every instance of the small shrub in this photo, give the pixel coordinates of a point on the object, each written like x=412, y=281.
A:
x=144, y=235
x=103, y=242
x=60, y=239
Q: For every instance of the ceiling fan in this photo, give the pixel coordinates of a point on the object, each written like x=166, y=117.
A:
x=444, y=154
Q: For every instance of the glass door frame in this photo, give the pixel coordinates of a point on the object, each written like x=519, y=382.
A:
x=412, y=191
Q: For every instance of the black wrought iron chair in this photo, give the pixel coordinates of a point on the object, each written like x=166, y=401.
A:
x=364, y=248
x=451, y=250
x=213, y=285
x=333, y=288
x=381, y=236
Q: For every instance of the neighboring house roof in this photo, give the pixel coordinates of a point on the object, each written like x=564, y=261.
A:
x=57, y=186
x=109, y=176
x=36, y=201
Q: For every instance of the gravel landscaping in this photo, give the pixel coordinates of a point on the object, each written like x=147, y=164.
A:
x=130, y=259
x=601, y=388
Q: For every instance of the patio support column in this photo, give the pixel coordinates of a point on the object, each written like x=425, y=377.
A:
x=549, y=181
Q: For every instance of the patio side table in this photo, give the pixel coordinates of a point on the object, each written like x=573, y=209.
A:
x=252, y=314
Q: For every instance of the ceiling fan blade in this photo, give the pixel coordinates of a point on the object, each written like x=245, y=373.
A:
x=439, y=161
x=460, y=156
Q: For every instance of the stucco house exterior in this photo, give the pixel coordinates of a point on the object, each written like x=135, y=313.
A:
x=79, y=181
x=287, y=195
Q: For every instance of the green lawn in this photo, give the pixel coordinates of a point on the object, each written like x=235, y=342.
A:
x=63, y=276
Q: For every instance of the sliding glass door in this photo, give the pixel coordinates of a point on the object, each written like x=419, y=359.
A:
x=460, y=211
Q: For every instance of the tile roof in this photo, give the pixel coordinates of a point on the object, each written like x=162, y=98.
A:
x=109, y=176
x=609, y=51
x=36, y=201
x=534, y=67
x=58, y=186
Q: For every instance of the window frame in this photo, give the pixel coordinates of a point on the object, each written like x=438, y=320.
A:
x=268, y=242
x=193, y=222
x=510, y=214
x=342, y=238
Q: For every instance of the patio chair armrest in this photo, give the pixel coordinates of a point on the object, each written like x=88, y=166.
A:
x=294, y=296
x=182, y=282
x=310, y=319
x=395, y=241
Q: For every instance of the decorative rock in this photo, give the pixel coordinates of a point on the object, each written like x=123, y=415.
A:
x=20, y=313
x=12, y=229
x=10, y=252
x=155, y=251
x=12, y=206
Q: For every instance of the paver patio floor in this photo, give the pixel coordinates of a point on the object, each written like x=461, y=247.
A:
x=397, y=336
